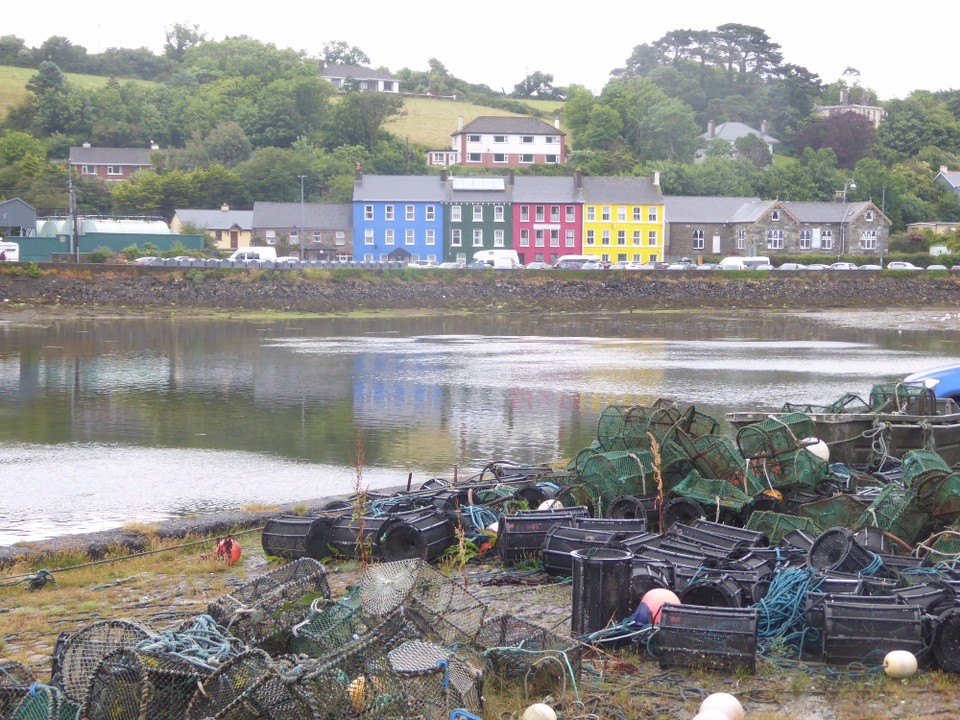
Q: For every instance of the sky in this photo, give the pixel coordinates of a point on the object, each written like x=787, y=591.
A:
x=497, y=43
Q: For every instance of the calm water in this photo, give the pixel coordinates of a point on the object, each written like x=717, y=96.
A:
x=108, y=421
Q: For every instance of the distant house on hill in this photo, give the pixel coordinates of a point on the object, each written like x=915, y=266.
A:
x=228, y=229
x=111, y=164
x=503, y=141
x=733, y=131
x=948, y=180
x=873, y=113
x=361, y=78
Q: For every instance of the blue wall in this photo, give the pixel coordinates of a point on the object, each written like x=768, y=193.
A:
x=380, y=224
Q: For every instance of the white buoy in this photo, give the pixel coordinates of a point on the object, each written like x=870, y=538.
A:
x=710, y=715
x=539, y=711
x=900, y=664
x=818, y=447
x=724, y=703
x=550, y=505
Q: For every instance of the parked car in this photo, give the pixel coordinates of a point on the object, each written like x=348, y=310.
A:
x=902, y=265
x=149, y=260
x=449, y=265
x=764, y=266
x=708, y=266
x=843, y=266
x=870, y=266
x=680, y=266
x=592, y=265
x=422, y=264
x=478, y=265
x=571, y=264
x=792, y=266
x=936, y=267
x=288, y=258
x=818, y=266
x=539, y=265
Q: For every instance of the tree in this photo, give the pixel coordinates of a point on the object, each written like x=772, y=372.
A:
x=753, y=149
x=915, y=122
x=13, y=51
x=358, y=118
x=536, y=85
x=49, y=77
x=849, y=134
x=15, y=145
x=58, y=49
x=180, y=38
x=338, y=52
x=603, y=131
x=577, y=109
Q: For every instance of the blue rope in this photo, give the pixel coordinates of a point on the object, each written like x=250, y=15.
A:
x=206, y=644
x=873, y=568
x=781, y=612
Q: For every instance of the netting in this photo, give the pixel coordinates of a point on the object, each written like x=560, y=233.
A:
x=775, y=525
x=775, y=436
x=903, y=398
x=84, y=651
x=15, y=682
x=836, y=511
x=264, y=609
x=799, y=468
x=433, y=679
x=713, y=456
x=848, y=403
x=329, y=625
x=623, y=427
x=946, y=499
x=712, y=493
x=897, y=511
x=922, y=469
x=612, y=474
x=45, y=702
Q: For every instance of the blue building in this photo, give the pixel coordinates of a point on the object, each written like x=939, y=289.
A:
x=397, y=217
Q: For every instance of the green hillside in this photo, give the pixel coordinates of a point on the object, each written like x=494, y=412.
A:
x=13, y=84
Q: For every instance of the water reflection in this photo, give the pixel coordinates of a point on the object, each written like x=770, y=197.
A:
x=114, y=420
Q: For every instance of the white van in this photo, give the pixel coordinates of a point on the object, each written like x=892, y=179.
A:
x=254, y=252
x=579, y=259
x=499, y=259
x=9, y=251
x=745, y=263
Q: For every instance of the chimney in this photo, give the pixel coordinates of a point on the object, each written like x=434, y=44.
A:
x=943, y=169
x=443, y=174
x=655, y=178
x=358, y=174
x=711, y=129
x=556, y=121
x=764, y=127
x=86, y=145
x=844, y=96
x=578, y=178
x=511, y=176
x=225, y=208
x=460, y=123
x=154, y=146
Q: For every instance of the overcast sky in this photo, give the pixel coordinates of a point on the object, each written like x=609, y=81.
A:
x=498, y=43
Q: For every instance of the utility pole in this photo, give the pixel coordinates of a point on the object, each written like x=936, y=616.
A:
x=74, y=233
x=303, y=244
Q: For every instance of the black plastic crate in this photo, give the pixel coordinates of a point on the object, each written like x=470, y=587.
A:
x=855, y=632
x=706, y=637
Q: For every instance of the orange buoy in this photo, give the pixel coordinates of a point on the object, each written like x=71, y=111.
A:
x=228, y=549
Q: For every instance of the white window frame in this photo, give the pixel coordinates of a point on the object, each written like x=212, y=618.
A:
x=552, y=159
x=554, y=238
x=554, y=213
x=524, y=213
x=774, y=239
x=388, y=212
x=114, y=170
x=524, y=237
x=570, y=213
x=498, y=238
x=368, y=212
x=431, y=213
x=868, y=240
x=410, y=237
x=478, y=213
x=410, y=213
x=527, y=158
x=741, y=239
x=605, y=214
x=430, y=237
x=478, y=237
x=637, y=237
x=501, y=158
x=368, y=236
x=498, y=213
x=605, y=238
x=652, y=238
x=456, y=238
x=499, y=138
x=539, y=240
x=570, y=240
x=591, y=213
x=621, y=213
x=456, y=212
x=474, y=157
x=806, y=238
x=526, y=139
x=591, y=237
x=540, y=213
x=389, y=236
x=826, y=240
x=637, y=213
x=473, y=138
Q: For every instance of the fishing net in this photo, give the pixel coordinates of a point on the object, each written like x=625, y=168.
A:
x=922, y=467
x=777, y=435
x=776, y=525
x=434, y=680
x=848, y=403
x=712, y=493
x=623, y=428
x=330, y=625
x=713, y=456
x=946, y=545
x=664, y=423
x=576, y=464
x=897, y=511
x=946, y=499
x=903, y=398
x=15, y=682
x=264, y=610
x=836, y=511
x=612, y=474
x=799, y=468
x=45, y=702
x=697, y=424
x=84, y=651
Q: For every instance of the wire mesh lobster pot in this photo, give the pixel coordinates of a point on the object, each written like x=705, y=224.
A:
x=616, y=473
x=706, y=637
x=601, y=588
x=775, y=526
x=623, y=427
x=837, y=550
x=896, y=510
x=775, y=436
x=866, y=632
x=791, y=470
x=921, y=465
x=903, y=398
x=713, y=456
x=15, y=682
x=946, y=499
x=946, y=640
x=423, y=534
x=836, y=511
x=330, y=626
x=946, y=546
x=521, y=535
x=132, y=684
x=727, y=501
x=45, y=702
x=434, y=680
x=264, y=610
x=294, y=536
x=85, y=649
x=518, y=652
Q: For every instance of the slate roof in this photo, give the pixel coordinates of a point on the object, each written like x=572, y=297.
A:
x=399, y=188
x=217, y=219
x=952, y=177
x=501, y=194
x=110, y=156
x=357, y=72
x=827, y=212
x=732, y=131
x=693, y=209
x=621, y=190
x=490, y=125
x=316, y=216
x=533, y=188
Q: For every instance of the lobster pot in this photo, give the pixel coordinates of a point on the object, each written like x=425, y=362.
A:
x=946, y=640
x=521, y=535
x=681, y=510
x=45, y=702
x=775, y=526
x=449, y=501
x=775, y=436
x=722, y=499
x=134, y=684
x=946, y=499
x=699, y=424
x=612, y=474
x=713, y=456
x=622, y=526
x=264, y=610
x=562, y=540
x=837, y=511
x=330, y=626
x=623, y=427
x=715, y=592
x=932, y=598
x=601, y=588
x=683, y=566
x=293, y=537
x=705, y=637
x=922, y=466
x=15, y=683
x=873, y=540
x=434, y=680
x=840, y=585
x=865, y=633
x=897, y=511
x=537, y=494
x=786, y=472
x=635, y=507
x=423, y=534
x=836, y=550
x=85, y=649
x=434, y=484
x=633, y=544
x=745, y=537
x=813, y=612
x=649, y=575
x=799, y=539
x=352, y=536
x=903, y=398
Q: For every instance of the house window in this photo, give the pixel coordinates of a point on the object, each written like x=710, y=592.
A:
x=621, y=237
x=340, y=238
x=605, y=213
x=621, y=213
x=826, y=240
x=462, y=258
x=551, y=159
x=409, y=237
x=868, y=240
x=114, y=170
x=294, y=237
x=554, y=238
x=591, y=213
x=571, y=213
x=524, y=213
x=526, y=138
x=498, y=238
x=388, y=237
x=555, y=213
x=805, y=237
x=431, y=237
x=368, y=257
x=540, y=213
x=569, y=241
x=651, y=214
x=741, y=239
x=455, y=213
x=272, y=237
x=478, y=237
x=605, y=237
x=538, y=238
x=499, y=157
x=698, y=239
x=590, y=237
x=637, y=214
x=431, y=213
x=456, y=238
x=88, y=170
x=473, y=138
x=478, y=213
x=774, y=239
x=524, y=238
x=775, y=215
x=499, y=138
x=474, y=157
x=527, y=158
x=368, y=212
x=651, y=237
x=498, y=213
x=552, y=139
x=368, y=236
x=410, y=214
x=869, y=216
x=388, y=212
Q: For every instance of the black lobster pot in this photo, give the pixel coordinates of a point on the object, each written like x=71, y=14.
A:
x=601, y=588
x=799, y=539
x=536, y=494
x=681, y=510
x=625, y=526
x=866, y=632
x=634, y=543
x=520, y=536
x=296, y=536
x=706, y=637
x=946, y=640
x=730, y=535
x=836, y=549
x=434, y=484
x=560, y=542
x=349, y=535
x=634, y=507
x=421, y=534
x=647, y=576
x=716, y=592
x=932, y=598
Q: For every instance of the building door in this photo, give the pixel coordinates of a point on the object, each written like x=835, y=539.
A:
x=234, y=239
x=716, y=244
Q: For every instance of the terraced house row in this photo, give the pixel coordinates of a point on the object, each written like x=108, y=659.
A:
x=447, y=218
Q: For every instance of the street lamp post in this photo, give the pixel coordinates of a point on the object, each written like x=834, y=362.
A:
x=849, y=185
x=303, y=245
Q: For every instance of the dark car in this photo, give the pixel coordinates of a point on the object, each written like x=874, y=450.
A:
x=569, y=265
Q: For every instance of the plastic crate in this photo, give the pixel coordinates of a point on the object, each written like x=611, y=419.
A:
x=706, y=637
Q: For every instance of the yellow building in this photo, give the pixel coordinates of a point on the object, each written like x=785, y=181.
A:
x=227, y=229
x=623, y=218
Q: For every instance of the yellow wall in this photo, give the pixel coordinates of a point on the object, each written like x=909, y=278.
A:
x=245, y=238
x=621, y=217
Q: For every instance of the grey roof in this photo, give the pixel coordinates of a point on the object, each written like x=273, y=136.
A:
x=625, y=190
x=693, y=209
x=827, y=212
x=533, y=188
x=317, y=216
x=357, y=72
x=217, y=219
x=509, y=125
x=951, y=176
x=399, y=188
x=732, y=131
x=110, y=156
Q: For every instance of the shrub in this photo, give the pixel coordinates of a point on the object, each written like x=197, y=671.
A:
x=100, y=255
